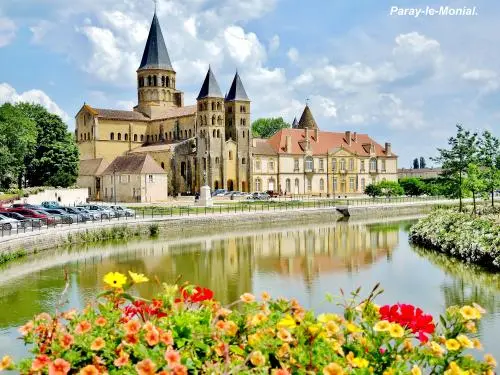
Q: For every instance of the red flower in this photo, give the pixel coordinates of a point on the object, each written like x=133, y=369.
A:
x=407, y=316
x=200, y=294
x=143, y=310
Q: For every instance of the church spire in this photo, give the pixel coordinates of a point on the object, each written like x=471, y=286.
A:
x=237, y=91
x=307, y=120
x=210, y=87
x=155, y=54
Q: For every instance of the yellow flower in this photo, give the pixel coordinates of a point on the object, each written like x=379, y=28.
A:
x=283, y=350
x=396, y=330
x=436, y=349
x=287, y=322
x=314, y=329
x=265, y=296
x=138, y=278
x=333, y=369
x=408, y=346
x=254, y=339
x=332, y=327
x=477, y=344
x=258, y=319
x=382, y=326
x=416, y=370
x=360, y=362
x=324, y=318
x=452, y=344
x=115, y=279
x=465, y=341
x=470, y=313
x=352, y=328
x=389, y=372
x=471, y=327
x=231, y=328
x=454, y=369
x=5, y=363
x=490, y=360
x=337, y=348
x=257, y=358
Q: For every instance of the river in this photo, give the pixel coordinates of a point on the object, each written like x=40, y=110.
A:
x=302, y=261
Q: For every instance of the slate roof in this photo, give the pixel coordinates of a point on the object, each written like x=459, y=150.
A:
x=237, y=91
x=263, y=147
x=307, y=120
x=92, y=167
x=155, y=54
x=134, y=164
x=210, y=87
x=154, y=148
x=295, y=123
x=113, y=114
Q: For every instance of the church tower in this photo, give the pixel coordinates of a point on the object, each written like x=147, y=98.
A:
x=211, y=132
x=238, y=129
x=156, y=77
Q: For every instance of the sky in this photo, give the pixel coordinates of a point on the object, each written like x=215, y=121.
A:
x=402, y=79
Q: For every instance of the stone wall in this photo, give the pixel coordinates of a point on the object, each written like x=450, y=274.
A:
x=63, y=196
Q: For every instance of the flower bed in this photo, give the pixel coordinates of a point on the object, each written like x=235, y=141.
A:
x=470, y=238
x=184, y=330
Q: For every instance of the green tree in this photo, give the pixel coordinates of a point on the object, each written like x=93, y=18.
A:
x=412, y=186
x=267, y=127
x=422, y=162
x=455, y=161
x=373, y=190
x=489, y=159
x=55, y=161
x=18, y=135
x=415, y=163
x=474, y=182
x=391, y=188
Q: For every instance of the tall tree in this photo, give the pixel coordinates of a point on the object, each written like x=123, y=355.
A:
x=474, y=182
x=55, y=161
x=455, y=161
x=267, y=127
x=415, y=163
x=422, y=162
x=489, y=159
x=17, y=140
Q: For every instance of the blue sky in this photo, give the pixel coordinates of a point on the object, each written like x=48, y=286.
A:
x=400, y=79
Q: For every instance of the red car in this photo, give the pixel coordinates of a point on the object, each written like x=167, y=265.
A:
x=26, y=212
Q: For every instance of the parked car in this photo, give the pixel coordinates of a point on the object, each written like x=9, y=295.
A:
x=272, y=193
x=27, y=205
x=23, y=221
x=46, y=219
x=56, y=218
x=51, y=204
x=219, y=192
x=66, y=217
x=6, y=223
x=81, y=216
x=103, y=212
x=123, y=211
x=94, y=215
x=258, y=196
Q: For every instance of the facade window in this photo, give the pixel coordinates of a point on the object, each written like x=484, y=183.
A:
x=271, y=165
x=288, y=185
x=106, y=192
x=151, y=178
x=126, y=136
x=321, y=184
x=373, y=164
x=243, y=161
x=189, y=133
x=230, y=155
x=352, y=182
x=257, y=164
x=216, y=160
x=213, y=120
x=142, y=138
x=243, y=132
x=170, y=135
x=334, y=165
x=270, y=184
x=342, y=164
x=135, y=137
x=244, y=122
x=214, y=133
x=309, y=165
x=335, y=183
x=205, y=164
x=230, y=109
x=296, y=165
x=112, y=136
x=321, y=165
x=383, y=165
x=218, y=133
x=213, y=106
x=297, y=186
x=147, y=138
x=162, y=165
x=351, y=164
x=309, y=184
x=362, y=163
x=258, y=184
x=363, y=184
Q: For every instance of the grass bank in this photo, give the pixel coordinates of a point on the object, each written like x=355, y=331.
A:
x=473, y=239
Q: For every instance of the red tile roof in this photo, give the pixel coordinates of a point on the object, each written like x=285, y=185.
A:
x=326, y=142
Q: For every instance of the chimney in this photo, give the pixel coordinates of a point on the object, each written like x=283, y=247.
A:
x=355, y=137
x=289, y=143
x=388, y=150
x=348, y=137
x=372, y=148
x=316, y=133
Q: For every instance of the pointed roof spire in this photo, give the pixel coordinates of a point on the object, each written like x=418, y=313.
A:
x=237, y=91
x=155, y=54
x=210, y=87
x=295, y=123
x=307, y=120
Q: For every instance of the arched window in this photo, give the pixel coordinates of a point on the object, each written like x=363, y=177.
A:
x=363, y=184
x=230, y=155
x=213, y=106
x=258, y=184
x=214, y=133
x=189, y=133
x=205, y=106
x=288, y=185
x=218, y=133
x=84, y=137
x=241, y=121
x=167, y=82
x=297, y=186
x=270, y=184
x=218, y=106
x=321, y=184
x=219, y=120
x=373, y=164
x=112, y=136
x=351, y=164
x=217, y=160
x=155, y=81
x=170, y=135
x=163, y=81
x=162, y=165
x=142, y=137
x=334, y=165
x=119, y=136
x=147, y=138
x=205, y=122
x=213, y=119
x=126, y=136
x=135, y=137
x=342, y=164
x=243, y=132
x=150, y=81
x=81, y=137
x=244, y=122
x=185, y=133
x=309, y=164
x=243, y=161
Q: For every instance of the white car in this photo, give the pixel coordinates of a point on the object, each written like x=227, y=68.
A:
x=6, y=223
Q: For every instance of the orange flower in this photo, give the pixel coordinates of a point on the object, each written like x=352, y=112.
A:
x=146, y=367
x=221, y=325
x=5, y=363
x=40, y=362
x=98, y=344
x=132, y=327
x=333, y=369
x=66, y=341
x=265, y=296
x=148, y=326
x=247, y=297
x=59, y=367
x=69, y=315
x=25, y=329
x=257, y=358
x=281, y=371
x=44, y=316
x=285, y=335
x=220, y=349
x=82, y=327
x=166, y=337
x=122, y=360
x=179, y=370
x=152, y=337
x=89, y=370
x=231, y=328
x=172, y=357
x=131, y=339
x=101, y=321
x=222, y=312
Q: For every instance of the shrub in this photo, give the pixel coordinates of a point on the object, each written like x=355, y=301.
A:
x=185, y=330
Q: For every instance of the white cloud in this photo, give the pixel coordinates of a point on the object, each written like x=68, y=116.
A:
x=190, y=26
x=274, y=43
x=7, y=31
x=244, y=48
x=9, y=94
x=479, y=75
x=293, y=54
x=327, y=105
x=40, y=30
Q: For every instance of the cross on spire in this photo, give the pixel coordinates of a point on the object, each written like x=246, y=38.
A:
x=156, y=4
x=307, y=101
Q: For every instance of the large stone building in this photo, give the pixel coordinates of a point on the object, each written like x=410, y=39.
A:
x=212, y=140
